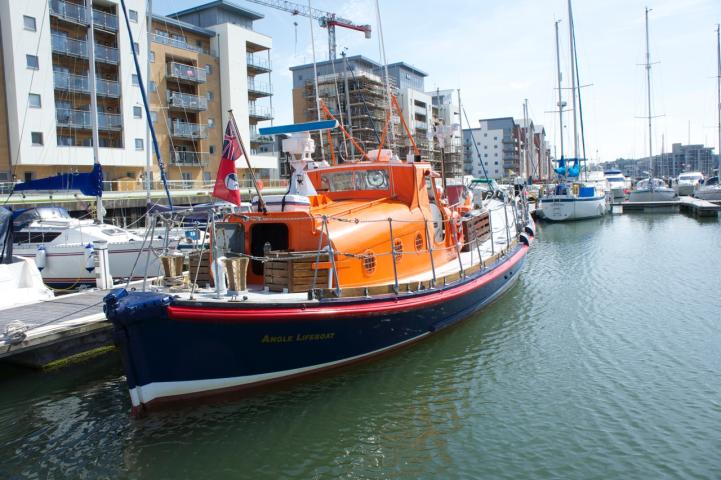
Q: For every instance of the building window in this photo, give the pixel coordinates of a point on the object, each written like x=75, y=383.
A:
x=32, y=61
x=485, y=155
x=152, y=56
x=496, y=162
x=210, y=95
x=207, y=177
x=34, y=100
x=211, y=149
x=138, y=143
x=211, y=123
x=135, y=80
x=137, y=112
x=133, y=15
x=485, y=134
x=65, y=140
x=152, y=86
x=154, y=116
x=136, y=46
x=36, y=138
x=28, y=176
x=29, y=23
x=495, y=138
x=209, y=69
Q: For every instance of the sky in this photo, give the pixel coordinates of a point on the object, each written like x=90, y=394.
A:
x=500, y=52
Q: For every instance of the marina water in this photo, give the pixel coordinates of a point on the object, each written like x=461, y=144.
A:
x=602, y=362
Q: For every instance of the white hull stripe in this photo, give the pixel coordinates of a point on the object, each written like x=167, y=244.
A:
x=152, y=391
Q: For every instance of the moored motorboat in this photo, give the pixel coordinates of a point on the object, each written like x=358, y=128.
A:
x=688, y=182
x=618, y=184
x=710, y=191
x=369, y=257
x=652, y=190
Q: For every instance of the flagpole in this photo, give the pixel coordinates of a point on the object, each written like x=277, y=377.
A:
x=261, y=202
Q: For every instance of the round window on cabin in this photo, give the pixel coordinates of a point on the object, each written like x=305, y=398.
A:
x=369, y=262
x=398, y=248
x=419, y=242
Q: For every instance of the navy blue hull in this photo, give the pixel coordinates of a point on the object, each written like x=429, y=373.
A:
x=177, y=348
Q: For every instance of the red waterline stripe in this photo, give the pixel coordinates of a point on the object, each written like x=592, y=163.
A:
x=200, y=314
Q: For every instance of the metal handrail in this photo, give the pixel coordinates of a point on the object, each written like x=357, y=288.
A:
x=187, y=72
x=185, y=100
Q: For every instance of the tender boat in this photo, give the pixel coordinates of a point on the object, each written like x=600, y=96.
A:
x=20, y=280
x=618, y=184
x=356, y=260
x=711, y=190
x=652, y=190
x=63, y=249
x=688, y=182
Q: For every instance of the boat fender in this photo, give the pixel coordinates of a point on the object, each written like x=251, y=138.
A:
x=457, y=227
x=89, y=257
x=524, y=239
x=529, y=230
x=41, y=257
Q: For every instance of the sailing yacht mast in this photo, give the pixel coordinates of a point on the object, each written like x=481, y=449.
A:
x=648, y=89
x=573, y=80
x=560, y=95
x=718, y=92
x=94, y=101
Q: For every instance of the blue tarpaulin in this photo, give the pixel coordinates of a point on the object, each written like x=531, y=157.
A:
x=90, y=184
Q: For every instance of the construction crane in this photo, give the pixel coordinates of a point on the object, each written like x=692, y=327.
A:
x=326, y=19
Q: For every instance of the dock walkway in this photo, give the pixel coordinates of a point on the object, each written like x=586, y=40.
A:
x=694, y=206
x=47, y=331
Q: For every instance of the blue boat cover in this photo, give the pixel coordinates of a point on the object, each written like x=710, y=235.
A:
x=90, y=184
x=575, y=170
x=561, y=169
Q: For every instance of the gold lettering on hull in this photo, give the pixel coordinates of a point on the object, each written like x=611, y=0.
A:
x=298, y=337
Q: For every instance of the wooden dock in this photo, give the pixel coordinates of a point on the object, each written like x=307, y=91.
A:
x=49, y=333
x=694, y=206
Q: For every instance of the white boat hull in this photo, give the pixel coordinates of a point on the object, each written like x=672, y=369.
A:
x=657, y=195
x=565, y=207
x=618, y=192
x=711, y=194
x=65, y=264
x=21, y=283
x=684, y=189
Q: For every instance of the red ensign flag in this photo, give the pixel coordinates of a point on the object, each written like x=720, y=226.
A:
x=226, y=182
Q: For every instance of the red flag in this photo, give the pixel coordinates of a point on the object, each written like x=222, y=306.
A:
x=226, y=182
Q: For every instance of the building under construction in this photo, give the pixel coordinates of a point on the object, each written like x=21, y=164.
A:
x=354, y=91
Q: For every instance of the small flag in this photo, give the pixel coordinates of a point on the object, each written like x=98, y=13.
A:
x=226, y=183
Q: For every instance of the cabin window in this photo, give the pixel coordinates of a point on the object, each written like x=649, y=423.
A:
x=230, y=238
x=375, y=179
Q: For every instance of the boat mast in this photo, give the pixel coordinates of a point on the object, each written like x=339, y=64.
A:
x=94, y=102
x=718, y=92
x=148, y=154
x=573, y=80
x=648, y=88
x=560, y=95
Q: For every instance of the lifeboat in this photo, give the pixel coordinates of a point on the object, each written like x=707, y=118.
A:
x=355, y=260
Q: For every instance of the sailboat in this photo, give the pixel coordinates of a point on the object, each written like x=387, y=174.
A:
x=711, y=189
x=571, y=200
x=62, y=246
x=651, y=189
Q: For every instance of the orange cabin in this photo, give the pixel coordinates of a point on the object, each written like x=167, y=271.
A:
x=351, y=212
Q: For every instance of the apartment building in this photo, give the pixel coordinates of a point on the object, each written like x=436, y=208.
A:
x=503, y=140
x=197, y=64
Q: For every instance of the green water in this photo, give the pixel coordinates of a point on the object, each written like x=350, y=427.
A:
x=604, y=361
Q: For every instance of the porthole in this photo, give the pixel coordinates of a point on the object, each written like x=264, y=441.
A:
x=398, y=248
x=369, y=262
x=419, y=242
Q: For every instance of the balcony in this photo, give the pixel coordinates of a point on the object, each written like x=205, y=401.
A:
x=421, y=125
x=192, y=131
x=259, y=89
x=82, y=119
x=71, y=12
x=420, y=110
x=68, y=82
x=257, y=65
x=255, y=137
x=69, y=46
x=178, y=100
x=191, y=159
x=110, y=122
x=106, y=54
x=177, y=43
x=107, y=88
x=68, y=118
x=259, y=113
x=188, y=73
x=105, y=21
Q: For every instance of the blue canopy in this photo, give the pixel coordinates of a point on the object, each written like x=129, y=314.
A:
x=90, y=184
